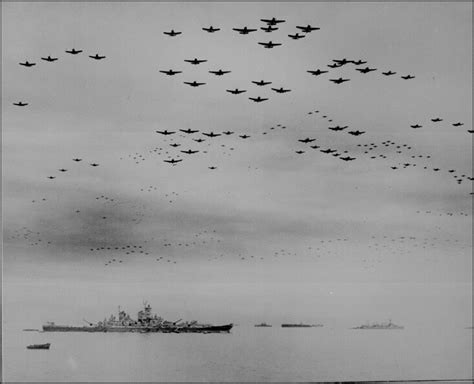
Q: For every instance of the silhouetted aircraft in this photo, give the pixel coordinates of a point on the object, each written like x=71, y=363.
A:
x=244, y=136
x=94, y=165
x=199, y=140
x=356, y=133
x=299, y=152
x=457, y=124
x=211, y=134
x=20, y=104
x=388, y=73
x=212, y=167
x=416, y=126
x=51, y=177
x=296, y=36
x=236, y=91
x=470, y=131
x=328, y=150
x=339, y=81
x=165, y=132
x=337, y=128
x=347, y=158
x=272, y=21
x=436, y=169
x=211, y=29
x=269, y=28
x=189, y=152
x=195, y=61
x=342, y=61
x=307, y=140
x=171, y=72
x=315, y=146
x=194, y=83
x=27, y=64
x=394, y=167
x=74, y=51
x=244, y=30
x=365, y=70
x=175, y=145
x=227, y=133
x=335, y=65
x=359, y=62
x=220, y=72
x=97, y=57
x=63, y=170
x=281, y=90
x=270, y=44
x=172, y=33
x=77, y=159
x=317, y=72
x=258, y=99
x=49, y=58
x=261, y=82
x=173, y=161
x=308, y=28
x=189, y=130
x=436, y=120
x=407, y=77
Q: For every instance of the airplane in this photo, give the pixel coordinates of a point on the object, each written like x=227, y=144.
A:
x=244, y=30
x=365, y=70
x=394, y=167
x=272, y=21
x=281, y=90
x=211, y=134
x=416, y=126
x=20, y=104
x=339, y=81
x=359, y=62
x=165, y=132
x=299, y=152
x=211, y=29
x=388, y=73
x=328, y=150
x=407, y=77
x=228, y=133
x=436, y=169
x=212, y=167
x=356, y=133
x=188, y=130
x=270, y=44
x=244, y=136
x=172, y=33
x=220, y=72
x=342, y=61
x=307, y=140
x=171, y=72
x=258, y=99
x=337, y=128
x=436, y=120
x=51, y=177
x=347, y=158
x=27, y=64
x=315, y=146
x=296, y=36
x=236, y=91
x=189, y=152
x=199, y=140
x=470, y=131
x=269, y=28
x=173, y=161
x=77, y=159
x=308, y=28
x=457, y=124
x=335, y=65
x=74, y=51
x=49, y=58
x=97, y=57
x=317, y=72
x=94, y=165
x=175, y=145
x=63, y=170
x=261, y=82
x=195, y=61
x=193, y=84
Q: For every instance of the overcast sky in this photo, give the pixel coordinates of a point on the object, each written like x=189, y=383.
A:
x=294, y=218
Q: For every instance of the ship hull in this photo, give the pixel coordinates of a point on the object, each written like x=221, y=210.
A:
x=206, y=329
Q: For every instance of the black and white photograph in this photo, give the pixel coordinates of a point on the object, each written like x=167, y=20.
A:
x=237, y=192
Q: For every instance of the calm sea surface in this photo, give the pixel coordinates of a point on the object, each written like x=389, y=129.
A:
x=246, y=354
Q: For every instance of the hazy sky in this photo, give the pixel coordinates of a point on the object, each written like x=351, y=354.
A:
x=296, y=219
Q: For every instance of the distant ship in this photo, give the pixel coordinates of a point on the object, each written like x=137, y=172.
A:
x=39, y=346
x=146, y=322
x=263, y=325
x=388, y=325
x=301, y=325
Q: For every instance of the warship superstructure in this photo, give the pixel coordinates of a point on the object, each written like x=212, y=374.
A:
x=262, y=325
x=145, y=322
x=301, y=325
x=388, y=325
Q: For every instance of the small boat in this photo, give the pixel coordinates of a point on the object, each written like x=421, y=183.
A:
x=39, y=346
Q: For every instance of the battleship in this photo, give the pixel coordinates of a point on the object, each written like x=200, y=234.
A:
x=301, y=325
x=146, y=322
x=262, y=325
x=388, y=325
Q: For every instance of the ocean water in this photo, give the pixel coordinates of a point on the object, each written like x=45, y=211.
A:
x=245, y=354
